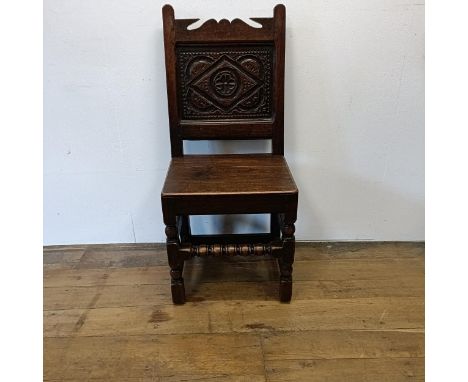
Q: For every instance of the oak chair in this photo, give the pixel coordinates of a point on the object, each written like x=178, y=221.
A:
x=225, y=80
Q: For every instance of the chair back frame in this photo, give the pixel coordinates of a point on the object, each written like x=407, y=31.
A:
x=225, y=80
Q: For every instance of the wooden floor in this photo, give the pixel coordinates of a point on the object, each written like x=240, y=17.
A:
x=357, y=315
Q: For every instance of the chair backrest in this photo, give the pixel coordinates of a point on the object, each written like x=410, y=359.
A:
x=225, y=80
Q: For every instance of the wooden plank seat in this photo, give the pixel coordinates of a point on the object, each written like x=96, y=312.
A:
x=200, y=177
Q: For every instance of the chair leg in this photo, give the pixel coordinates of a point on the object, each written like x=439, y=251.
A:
x=274, y=225
x=185, y=231
x=286, y=260
x=176, y=263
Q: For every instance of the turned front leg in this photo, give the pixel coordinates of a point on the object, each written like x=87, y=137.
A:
x=176, y=263
x=286, y=260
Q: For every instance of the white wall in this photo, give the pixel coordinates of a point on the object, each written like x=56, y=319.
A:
x=354, y=115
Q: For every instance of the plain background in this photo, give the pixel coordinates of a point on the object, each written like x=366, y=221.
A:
x=354, y=118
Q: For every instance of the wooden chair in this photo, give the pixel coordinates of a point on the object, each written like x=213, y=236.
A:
x=225, y=80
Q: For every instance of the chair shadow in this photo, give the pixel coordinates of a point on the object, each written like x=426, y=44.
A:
x=231, y=278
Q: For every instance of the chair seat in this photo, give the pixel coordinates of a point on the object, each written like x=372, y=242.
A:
x=228, y=174
x=259, y=180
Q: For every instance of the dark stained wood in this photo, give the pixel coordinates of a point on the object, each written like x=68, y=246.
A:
x=225, y=80
x=171, y=79
x=233, y=130
x=196, y=204
x=224, y=30
x=228, y=174
x=279, y=36
x=262, y=238
x=225, y=83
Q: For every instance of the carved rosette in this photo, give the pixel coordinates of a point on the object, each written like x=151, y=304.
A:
x=230, y=83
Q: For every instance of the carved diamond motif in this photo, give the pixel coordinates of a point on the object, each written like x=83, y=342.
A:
x=225, y=83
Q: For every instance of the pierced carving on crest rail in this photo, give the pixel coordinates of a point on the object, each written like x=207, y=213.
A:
x=225, y=83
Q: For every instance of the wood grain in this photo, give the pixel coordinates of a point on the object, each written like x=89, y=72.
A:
x=160, y=358
x=342, y=344
x=350, y=370
x=228, y=174
x=70, y=297
x=215, y=269
x=379, y=313
x=357, y=315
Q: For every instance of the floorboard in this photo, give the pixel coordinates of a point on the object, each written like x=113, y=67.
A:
x=357, y=314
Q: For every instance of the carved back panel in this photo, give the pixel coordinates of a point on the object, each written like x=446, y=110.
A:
x=225, y=80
